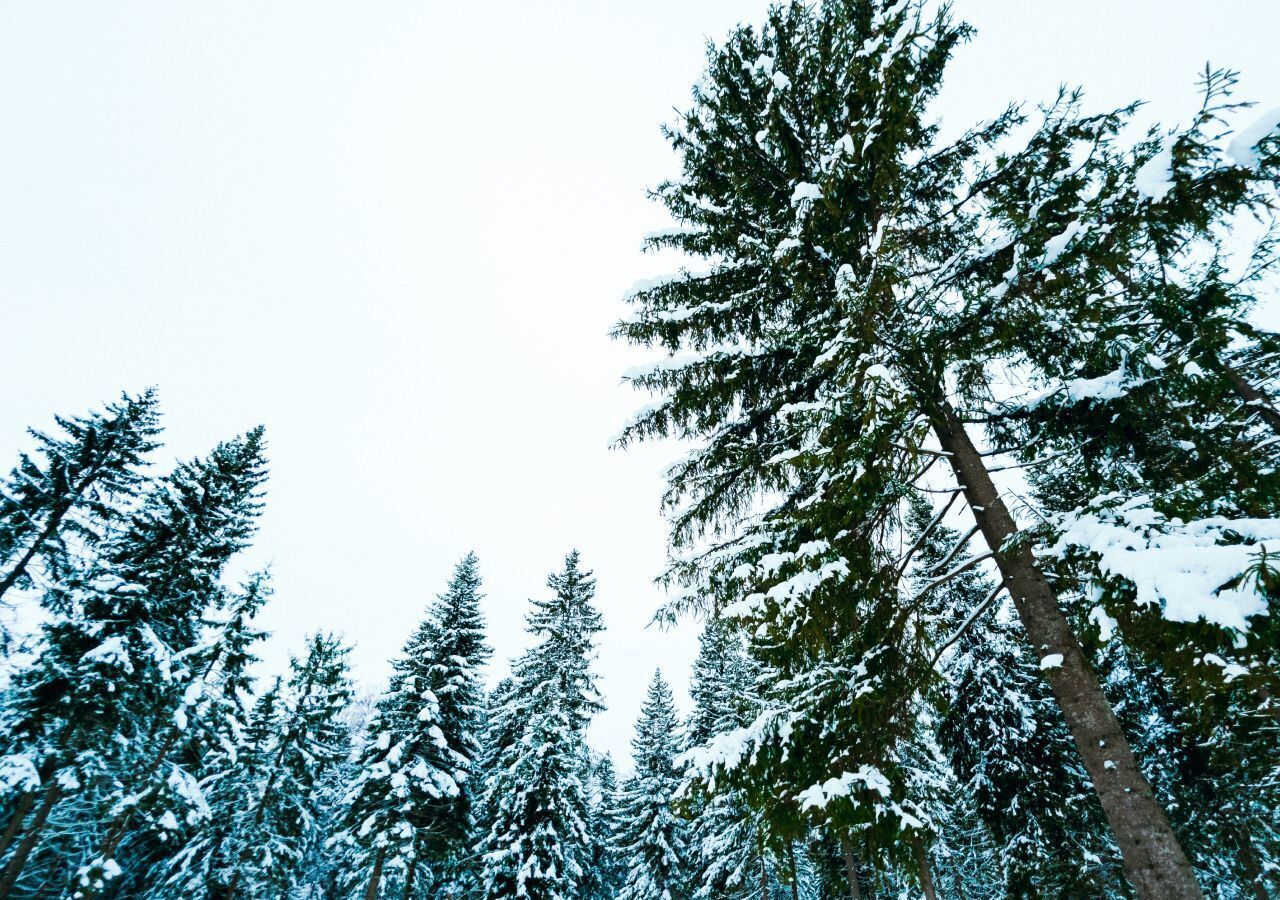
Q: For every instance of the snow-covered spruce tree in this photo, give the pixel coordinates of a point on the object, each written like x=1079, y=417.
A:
x=459, y=654
x=1151, y=430
x=533, y=824
x=263, y=802
x=814, y=359
x=72, y=486
x=651, y=837
x=409, y=812
x=75, y=485
x=605, y=866
x=199, y=745
x=102, y=696
x=725, y=837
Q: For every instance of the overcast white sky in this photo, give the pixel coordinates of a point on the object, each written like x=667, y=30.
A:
x=397, y=233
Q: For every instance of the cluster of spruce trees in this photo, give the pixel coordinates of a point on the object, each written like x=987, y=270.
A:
x=141, y=757
x=985, y=468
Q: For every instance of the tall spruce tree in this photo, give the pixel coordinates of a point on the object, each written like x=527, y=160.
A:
x=818, y=360
x=263, y=800
x=651, y=837
x=725, y=834
x=107, y=688
x=459, y=654
x=534, y=841
x=75, y=483
x=404, y=766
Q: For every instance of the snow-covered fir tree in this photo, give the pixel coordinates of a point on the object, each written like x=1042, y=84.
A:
x=843, y=343
x=725, y=833
x=459, y=654
x=410, y=808
x=535, y=812
x=102, y=701
x=605, y=868
x=264, y=801
x=72, y=486
x=651, y=837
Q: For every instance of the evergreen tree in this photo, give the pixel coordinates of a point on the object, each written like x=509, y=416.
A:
x=264, y=801
x=410, y=808
x=107, y=689
x=534, y=841
x=458, y=655
x=605, y=869
x=73, y=486
x=818, y=360
x=651, y=837
x=725, y=836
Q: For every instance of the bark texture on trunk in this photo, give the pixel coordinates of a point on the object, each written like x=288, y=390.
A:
x=922, y=863
x=375, y=877
x=851, y=868
x=13, y=871
x=1154, y=861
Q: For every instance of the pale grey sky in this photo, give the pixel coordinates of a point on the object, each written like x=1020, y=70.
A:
x=397, y=233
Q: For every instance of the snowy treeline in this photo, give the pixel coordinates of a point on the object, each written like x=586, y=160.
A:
x=142, y=758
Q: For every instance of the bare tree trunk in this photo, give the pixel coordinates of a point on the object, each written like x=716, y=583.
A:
x=764, y=869
x=1252, y=396
x=55, y=519
x=19, y=815
x=795, y=875
x=16, y=572
x=1154, y=861
x=851, y=868
x=409, y=877
x=375, y=877
x=922, y=862
x=13, y=871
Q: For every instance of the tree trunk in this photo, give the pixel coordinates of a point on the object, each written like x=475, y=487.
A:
x=1252, y=396
x=922, y=862
x=764, y=869
x=55, y=518
x=409, y=877
x=1153, y=859
x=20, y=810
x=795, y=875
x=851, y=868
x=14, y=870
x=375, y=877
x=1251, y=866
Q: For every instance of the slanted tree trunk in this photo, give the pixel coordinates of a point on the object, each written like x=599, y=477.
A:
x=1253, y=398
x=52, y=794
x=922, y=862
x=375, y=877
x=1154, y=861
x=19, y=815
x=850, y=868
x=55, y=519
